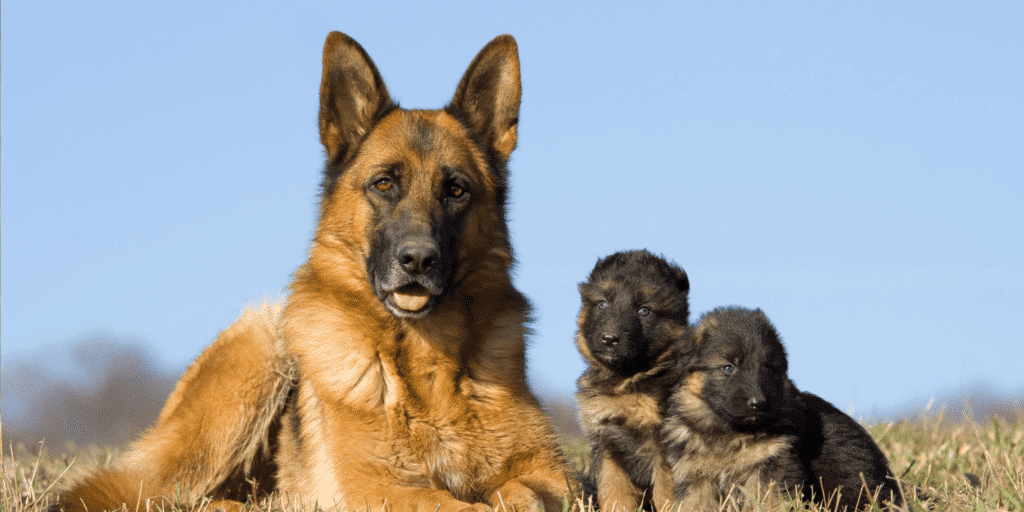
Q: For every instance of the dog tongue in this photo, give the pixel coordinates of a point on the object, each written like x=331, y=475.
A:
x=412, y=300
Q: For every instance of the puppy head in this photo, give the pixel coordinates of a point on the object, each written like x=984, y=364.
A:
x=736, y=370
x=634, y=306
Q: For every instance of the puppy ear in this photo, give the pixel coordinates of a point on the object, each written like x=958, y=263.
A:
x=689, y=345
x=703, y=332
x=682, y=280
x=488, y=96
x=352, y=97
x=765, y=328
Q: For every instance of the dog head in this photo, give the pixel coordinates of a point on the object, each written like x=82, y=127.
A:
x=413, y=201
x=734, y=371
x=634, y=306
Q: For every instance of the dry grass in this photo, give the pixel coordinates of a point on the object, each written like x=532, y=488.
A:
x=947, y=464
x=958, y=465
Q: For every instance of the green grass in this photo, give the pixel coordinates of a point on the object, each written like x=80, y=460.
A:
x=946, y=464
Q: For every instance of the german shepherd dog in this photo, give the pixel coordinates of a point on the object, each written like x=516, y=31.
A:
x=634, y=308
x=736, y=427
x=394, y=378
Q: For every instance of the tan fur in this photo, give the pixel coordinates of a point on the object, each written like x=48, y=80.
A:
x=637, y=410
x=616, y=492
x=632, y=405
x=362, y=408
x=662, y=495
x=214, y=431
x=633, y=410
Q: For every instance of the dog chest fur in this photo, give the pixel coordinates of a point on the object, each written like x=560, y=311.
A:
x=435, y=410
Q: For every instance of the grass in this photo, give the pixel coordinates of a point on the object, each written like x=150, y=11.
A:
x=947, y=464
x=958, y=465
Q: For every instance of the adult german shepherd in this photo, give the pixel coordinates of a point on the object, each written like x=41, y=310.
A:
x=394, y=377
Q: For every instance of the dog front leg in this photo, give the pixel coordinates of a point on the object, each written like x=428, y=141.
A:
x=535, y=492
x=661, y=493
x=615, y=490
x=409, y=499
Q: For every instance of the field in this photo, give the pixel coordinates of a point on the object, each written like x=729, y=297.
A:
x=949, y=463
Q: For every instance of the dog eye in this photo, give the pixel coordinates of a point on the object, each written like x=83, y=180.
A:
x=601, y=304
x=728, y=369
x=383, y=184
x=644, y=311
x=455, y=191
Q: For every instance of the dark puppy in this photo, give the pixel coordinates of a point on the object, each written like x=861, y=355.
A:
x=634, y=308
x=836, y=450
x=735, y=420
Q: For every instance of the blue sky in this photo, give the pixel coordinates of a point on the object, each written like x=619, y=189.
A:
x=856, y=171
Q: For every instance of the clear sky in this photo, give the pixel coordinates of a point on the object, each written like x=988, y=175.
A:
x=856, y=171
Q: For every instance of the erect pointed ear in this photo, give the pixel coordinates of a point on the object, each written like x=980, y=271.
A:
x=488, y=95
x=352, y=96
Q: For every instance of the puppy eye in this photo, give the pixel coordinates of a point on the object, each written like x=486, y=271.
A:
x=728, y=369
x=601, y=304
x=383, y=184
x=644, y=311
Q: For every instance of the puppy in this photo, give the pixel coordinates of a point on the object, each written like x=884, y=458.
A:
x=737, y=428
x=634, y=309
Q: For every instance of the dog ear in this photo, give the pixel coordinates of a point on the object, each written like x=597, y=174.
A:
x=702, y=333
x=352, y=96
x=682, y=281
x=770, y=336
x=488, y=96
x=765, y=328
x=688, y=346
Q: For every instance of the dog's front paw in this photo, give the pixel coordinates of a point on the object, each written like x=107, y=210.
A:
x=223, y=506
x=478, y=507
x=516, y=497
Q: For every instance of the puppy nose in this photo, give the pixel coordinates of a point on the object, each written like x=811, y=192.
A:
x=609, y=339
x=417, y=257
x=756, y=403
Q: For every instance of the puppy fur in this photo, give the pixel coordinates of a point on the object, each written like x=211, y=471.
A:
x=634, y=308
x=736, y=427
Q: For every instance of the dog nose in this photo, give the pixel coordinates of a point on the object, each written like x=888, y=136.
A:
x=417, y=257
x=756, y=403
x=609, y=339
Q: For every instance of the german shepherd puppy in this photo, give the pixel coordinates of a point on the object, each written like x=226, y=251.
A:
x=394, y=379
x=634, y=308
x=735, y=420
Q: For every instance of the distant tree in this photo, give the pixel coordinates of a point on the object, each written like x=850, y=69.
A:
x=102, y=390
